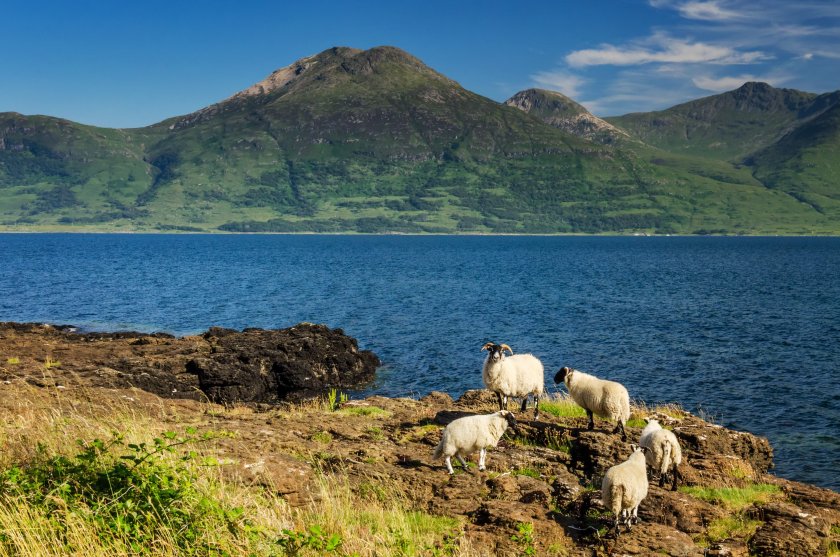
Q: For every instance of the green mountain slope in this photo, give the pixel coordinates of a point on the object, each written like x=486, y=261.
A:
x=58, y=167
x=376, y=141
x=806, y=163
x=728, y=126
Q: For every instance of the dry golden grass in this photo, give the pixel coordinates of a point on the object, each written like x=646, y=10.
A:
x=380, y=520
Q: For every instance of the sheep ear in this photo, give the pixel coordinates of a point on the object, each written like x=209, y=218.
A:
x=633, y=447
x=487, y=346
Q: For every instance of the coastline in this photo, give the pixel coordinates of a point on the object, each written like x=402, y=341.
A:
x=544, y=474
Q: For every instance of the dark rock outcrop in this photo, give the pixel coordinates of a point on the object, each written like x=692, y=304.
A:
x=259, y=365
x=222, y=365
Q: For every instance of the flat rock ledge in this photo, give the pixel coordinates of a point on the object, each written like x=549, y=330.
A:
x=222, y=365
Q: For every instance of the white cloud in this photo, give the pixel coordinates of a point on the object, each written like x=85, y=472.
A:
x=721, y=84
x=663, y=49
x=707, y=11
x=566, y=83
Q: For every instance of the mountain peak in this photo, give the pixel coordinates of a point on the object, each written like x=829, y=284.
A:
x=558, y=110
x=759, y=96
x=285, y=75
x=539, y=102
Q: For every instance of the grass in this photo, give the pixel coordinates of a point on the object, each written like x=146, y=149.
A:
x=834, y=545
x=210, y=515
x=13, y=361
x=376, y=433
x=530, y=472
x=323, y=437
x=562, y=407
x=734, y=498
x=731, y=527
x=416, y=433
x=370, y=411
x=49, y=363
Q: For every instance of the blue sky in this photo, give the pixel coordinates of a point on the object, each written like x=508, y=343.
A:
x=124, y=64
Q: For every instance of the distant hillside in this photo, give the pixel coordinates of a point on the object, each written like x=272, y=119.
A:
x=806, y=163
x=728, y=126
x=376, y=141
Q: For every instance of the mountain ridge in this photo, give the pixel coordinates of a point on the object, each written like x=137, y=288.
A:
x=351, y=140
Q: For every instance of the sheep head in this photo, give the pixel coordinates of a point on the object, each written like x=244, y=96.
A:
x=563, y=374
x=497, y=351
x=509, y=417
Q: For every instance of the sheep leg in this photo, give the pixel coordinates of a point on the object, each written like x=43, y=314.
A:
x=591, y=417
x=536, y=407
x=620, y=427
x=463, y=462
x=524, y=403
x=449, y=465
x=481, y=454
x=676, y=476
x=662, y=478
x=501, y=403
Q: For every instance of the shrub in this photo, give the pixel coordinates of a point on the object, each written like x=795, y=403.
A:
x=133, y=494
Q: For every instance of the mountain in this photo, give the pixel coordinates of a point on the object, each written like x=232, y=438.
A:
x=558, y=110
x=374, y=140
x=789, y=139
x=728, y=126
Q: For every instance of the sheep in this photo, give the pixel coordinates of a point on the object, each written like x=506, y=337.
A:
x=624, y=487
x=608, y=399
x=664, y=453
x=513, y=376
x=466, y=435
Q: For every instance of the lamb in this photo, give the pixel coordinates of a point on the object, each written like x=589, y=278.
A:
x=473, y=433
x=608, y=399
x=664, y=453
x=513, y=376
x=624, y=487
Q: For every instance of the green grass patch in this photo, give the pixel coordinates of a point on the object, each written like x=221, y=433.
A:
x=731, y=527
x=734, y=498
x=374, y=411
x=322, y=437
x=13, y=361
x=636, y=422
x=562, y=408
x=553, y=441
x=416, y=433
x=530, y=472
x=375, y=433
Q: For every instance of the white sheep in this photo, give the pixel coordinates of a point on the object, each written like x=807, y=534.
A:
x=513, y=376
x=624, y=487
x=664, y=453
x=466, y=435
x=608, y=399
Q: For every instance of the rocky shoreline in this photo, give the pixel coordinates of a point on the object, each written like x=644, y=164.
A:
x=543, y=474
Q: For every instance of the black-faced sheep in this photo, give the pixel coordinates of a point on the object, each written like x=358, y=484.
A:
x=607, y=399
x=624, y=487
x=513, y=376
x=664, y=454
x=466, y=435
